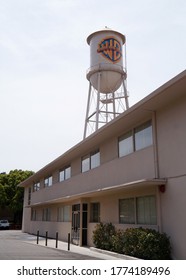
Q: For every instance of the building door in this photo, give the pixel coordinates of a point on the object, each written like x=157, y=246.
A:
x=76, y=224
x=79, y=224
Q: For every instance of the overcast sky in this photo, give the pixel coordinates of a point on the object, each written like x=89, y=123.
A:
x=43, y=61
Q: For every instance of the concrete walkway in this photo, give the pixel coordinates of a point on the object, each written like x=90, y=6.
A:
x=86, y=251
x=16, y=245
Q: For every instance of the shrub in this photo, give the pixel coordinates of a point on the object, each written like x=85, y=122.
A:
x=146, y=244
x=137, y=242
x=103, y=235
x=118, y=242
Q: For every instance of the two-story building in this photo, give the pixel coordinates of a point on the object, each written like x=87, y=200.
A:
x=131, y=172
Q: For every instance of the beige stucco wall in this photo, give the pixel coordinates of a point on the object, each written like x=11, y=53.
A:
x=117, y=171
x=173, y=203
x=171, y=131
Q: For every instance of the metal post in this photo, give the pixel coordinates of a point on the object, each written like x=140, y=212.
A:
x=46, y=238
x=125, y=95
x=56, y=239
x=38, y=237
x=98, y=101
x=68, y=241
x=87, y=112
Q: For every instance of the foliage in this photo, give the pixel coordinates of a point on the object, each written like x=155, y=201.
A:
x=147, y=244
x=137, y=242
x=102, y=236
x=11, y=195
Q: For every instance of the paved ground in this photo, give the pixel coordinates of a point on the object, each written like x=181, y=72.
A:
x=16, y=245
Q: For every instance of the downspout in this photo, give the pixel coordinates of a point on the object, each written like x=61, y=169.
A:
x=156, y=169
x=155, y=145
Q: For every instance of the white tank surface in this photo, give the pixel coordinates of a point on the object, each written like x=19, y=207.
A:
x=106, y=71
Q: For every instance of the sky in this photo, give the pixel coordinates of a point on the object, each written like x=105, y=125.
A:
x=44, y=57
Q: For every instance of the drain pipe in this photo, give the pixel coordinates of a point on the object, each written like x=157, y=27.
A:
x=156, y=169
x=155, y=141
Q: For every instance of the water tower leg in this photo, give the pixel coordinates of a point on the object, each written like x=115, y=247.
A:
x=125, y=95
x=98, y=101
x=87, y=111
x=114, y=105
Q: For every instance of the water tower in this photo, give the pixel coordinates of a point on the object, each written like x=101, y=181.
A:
x=107, y=95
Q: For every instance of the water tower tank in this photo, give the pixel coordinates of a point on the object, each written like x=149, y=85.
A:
x=106, y=58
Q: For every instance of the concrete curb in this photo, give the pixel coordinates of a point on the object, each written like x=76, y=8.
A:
x=116, y=255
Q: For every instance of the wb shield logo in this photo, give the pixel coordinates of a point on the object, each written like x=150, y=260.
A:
x=111, y=49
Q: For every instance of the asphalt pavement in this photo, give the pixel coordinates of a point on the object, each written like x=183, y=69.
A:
x=16, y=245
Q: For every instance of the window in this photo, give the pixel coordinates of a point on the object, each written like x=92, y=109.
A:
x=126, y=211
x=126, y=144
x=95, y=159
x=36, y=187
x=33, y=215
x=146, y=210
x=65, y=174
x=136, y=139
x=48, y=181
x=85, y=163
x=63, y=214
x=140, y=210
x=90, y=161
x=143, y=136
x=46, y=214
x=95, y=212
x=29, y=195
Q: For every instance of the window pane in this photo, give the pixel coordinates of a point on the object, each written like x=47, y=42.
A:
x=85, y=163
x=126, y=211
x=95, y=159
x=33, y=215
x=67, y=173
x=143, y=136
x=146, y=210
x=61, y=176
x=48, y=181
x=126, y=144
x=46, y=214
x=66, y=213
x=36, y=187
x=29, y=195
x=95, y=212
x=60, y=214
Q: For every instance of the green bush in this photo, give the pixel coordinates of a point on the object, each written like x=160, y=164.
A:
x=103, y=235
x=118, y=242
x=137, y=242
x=146, y=244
